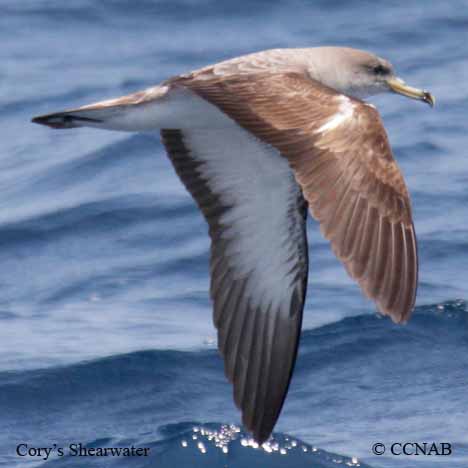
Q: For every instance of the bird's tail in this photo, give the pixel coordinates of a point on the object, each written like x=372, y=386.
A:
x=71, y=118
x=113, y=114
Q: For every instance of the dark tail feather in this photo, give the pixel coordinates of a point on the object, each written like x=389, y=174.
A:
x=68, y=119
x=111, y=114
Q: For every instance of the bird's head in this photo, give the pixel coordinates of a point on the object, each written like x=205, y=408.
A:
x=362, y=74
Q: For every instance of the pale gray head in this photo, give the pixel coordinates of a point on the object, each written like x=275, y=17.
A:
x=359, y=74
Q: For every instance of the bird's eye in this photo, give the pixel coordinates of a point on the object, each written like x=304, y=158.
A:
x=379, y=69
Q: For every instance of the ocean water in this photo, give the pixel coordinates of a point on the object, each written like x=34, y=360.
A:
x=106, y=336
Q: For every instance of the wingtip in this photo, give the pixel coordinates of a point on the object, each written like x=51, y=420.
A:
x=260, y=434
x=398, y=317
x=260, y=438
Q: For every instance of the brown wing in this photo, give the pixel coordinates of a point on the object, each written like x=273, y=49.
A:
x=340, y=154
x=256, y=216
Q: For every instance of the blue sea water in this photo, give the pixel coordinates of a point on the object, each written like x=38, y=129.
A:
x=106, y=336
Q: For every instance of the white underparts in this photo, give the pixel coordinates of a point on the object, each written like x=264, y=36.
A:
x=168, y=108
x=345, y=111
x=256, y=182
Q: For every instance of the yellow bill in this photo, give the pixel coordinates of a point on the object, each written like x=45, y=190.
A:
x=399, y=86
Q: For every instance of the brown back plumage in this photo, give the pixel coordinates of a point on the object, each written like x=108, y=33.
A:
x=347, y=174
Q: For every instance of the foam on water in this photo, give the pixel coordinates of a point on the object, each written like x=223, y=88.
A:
x=105, y=323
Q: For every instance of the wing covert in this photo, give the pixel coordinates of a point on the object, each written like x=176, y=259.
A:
x=256, y=216
x=340, y=154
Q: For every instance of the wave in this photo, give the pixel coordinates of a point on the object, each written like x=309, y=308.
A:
x=361, y=368
x=203, y=445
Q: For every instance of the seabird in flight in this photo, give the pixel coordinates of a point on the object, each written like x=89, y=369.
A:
x=258, y=141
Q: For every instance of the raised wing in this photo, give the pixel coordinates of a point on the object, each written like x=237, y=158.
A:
x=340, y=154
x=256, y=217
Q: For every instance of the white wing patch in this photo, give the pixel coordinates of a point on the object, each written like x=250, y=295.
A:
x=258, y=184
x=344, y=113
